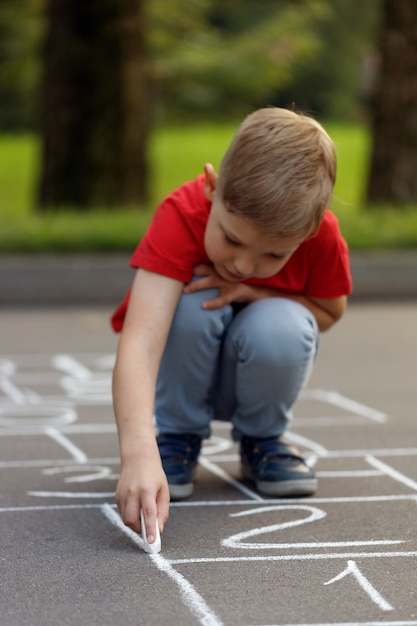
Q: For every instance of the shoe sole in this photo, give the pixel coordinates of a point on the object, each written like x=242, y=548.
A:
x=178, y=492
x=298, y=487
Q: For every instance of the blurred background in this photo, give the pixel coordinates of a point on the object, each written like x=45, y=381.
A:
x=107, y=105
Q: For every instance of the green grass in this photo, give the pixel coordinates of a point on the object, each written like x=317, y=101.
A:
x=18, y=170
x=178, y=154
x=352, y=146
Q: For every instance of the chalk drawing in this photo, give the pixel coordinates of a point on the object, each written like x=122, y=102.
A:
x=36, y=414
x=390, y=471
x=353, y=570
x=78, y=455
x=40, y=395
x=82, y=384
x=337, y=399
x=97, y=472
x=221, y=473
x=235, y=541
x=71, y=494
x=193, y=600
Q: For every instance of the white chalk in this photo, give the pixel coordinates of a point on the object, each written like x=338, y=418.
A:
x=151, y=548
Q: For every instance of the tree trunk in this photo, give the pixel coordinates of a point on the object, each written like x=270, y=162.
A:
x=94, y=109
x=393, y=173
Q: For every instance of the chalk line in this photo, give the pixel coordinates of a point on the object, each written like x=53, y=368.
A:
x=191, y=598
x=68, y=364
x=335, y=398
x=211, y=503
x=331, y=500
x=70, y=494
x=57, y=462
x=305, y=442
x=10, y=390
x=383, y=623
x=390, y=471
x=77, y=454
x=218, y=471
x=296, y=557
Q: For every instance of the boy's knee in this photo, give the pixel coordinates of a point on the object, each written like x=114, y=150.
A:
x=190, y=318
x=278, y=331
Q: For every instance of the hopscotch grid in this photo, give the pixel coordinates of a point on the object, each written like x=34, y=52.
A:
x=224, y=559
x=391, y=472
x=69, y=365
x=56, y=398
x=196, y=603
x=192, y=600
x=295, y=557
x=229, y=503
x=7, y=431
x=78, y=455
x=216, y=458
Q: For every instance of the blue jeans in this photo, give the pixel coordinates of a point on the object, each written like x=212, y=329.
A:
x=244, y=364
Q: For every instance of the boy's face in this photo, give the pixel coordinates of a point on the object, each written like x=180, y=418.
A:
x=239, y=251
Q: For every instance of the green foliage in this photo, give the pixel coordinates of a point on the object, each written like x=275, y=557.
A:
x=179, y=154
x=233, y=58
x=217, y=58
x=333, y=83
x=68, y=231
x=387, y=228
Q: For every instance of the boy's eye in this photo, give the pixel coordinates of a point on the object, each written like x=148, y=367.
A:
x=277, y=257
x=231, y=241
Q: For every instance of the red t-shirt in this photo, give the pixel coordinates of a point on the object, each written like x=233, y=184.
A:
x=174, y=245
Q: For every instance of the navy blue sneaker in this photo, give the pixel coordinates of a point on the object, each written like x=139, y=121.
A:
x=277, y=468
x=179, y=455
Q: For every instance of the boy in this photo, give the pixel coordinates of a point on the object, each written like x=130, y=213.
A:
x=238, y=273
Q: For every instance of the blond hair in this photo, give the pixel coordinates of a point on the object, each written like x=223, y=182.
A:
x=279, y=171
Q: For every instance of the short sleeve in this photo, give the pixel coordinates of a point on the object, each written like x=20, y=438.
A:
x=329, y=272
x=174, y=242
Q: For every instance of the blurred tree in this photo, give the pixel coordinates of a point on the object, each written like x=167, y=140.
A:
x=203, y=59
x=219, y=57
x=94, y=104
x=394, y=155
x=20, y=31
x=333, y=83
x=225, y=57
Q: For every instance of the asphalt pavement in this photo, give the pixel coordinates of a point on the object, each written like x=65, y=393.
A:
x=347, y=555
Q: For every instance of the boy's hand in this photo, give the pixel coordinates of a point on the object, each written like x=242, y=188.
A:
x=228, y=291
x=143, y=488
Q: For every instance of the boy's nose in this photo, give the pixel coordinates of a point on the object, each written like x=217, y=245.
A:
x=244, y=265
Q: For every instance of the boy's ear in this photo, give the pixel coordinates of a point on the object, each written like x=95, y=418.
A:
x=210, y=180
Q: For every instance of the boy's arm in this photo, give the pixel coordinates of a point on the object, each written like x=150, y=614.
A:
x=142, y=483
x=326, y=310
